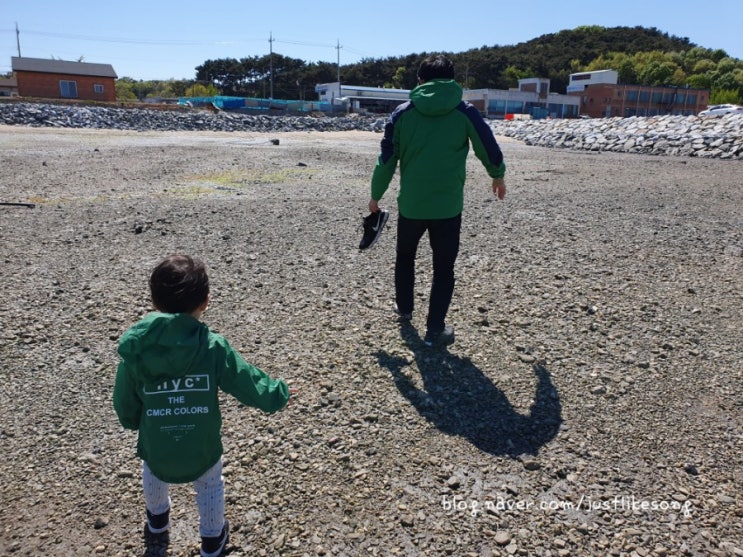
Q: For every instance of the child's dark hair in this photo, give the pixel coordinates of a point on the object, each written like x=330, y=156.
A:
x=436, y=67
x=179, y=284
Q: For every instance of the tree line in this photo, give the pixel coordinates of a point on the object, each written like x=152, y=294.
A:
x=642, y=56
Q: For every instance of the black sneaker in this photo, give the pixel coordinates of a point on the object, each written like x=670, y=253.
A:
x=214, y=546
x=439, y=338
x=156, y=534
x=157, y=523
x=401, y=316
x=373, y=225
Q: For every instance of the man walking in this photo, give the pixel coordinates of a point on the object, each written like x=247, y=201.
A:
x=430, y=136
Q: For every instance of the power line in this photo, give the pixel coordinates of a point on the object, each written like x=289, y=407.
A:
x=178, y=43
x=299, y=43
x=114, y=40
x=157, y=42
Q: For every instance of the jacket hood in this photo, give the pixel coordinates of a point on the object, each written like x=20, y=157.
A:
x=436, y=97
x=163, y=345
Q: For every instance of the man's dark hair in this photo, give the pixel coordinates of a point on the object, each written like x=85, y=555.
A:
x=436, y=67
x=179, y=284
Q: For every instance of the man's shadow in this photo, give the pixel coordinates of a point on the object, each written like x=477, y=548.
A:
x=459, y=399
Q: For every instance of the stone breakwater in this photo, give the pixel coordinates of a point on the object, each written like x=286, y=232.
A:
x=150, y=119
x=686, y=136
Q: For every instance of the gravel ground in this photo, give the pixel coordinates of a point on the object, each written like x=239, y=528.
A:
x=591, y=404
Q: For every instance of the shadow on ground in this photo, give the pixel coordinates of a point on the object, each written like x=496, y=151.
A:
x=459, y=399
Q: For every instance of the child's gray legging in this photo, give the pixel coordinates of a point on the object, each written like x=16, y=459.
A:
x=209, y=497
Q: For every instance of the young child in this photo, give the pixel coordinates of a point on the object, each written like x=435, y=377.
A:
x=172, y=367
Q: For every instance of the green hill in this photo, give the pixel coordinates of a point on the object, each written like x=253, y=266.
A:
x=641, y=55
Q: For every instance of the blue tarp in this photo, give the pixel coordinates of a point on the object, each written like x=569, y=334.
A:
x=248, y=104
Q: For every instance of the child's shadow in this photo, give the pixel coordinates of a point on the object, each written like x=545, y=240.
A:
x=460, y=400
x=156, y=545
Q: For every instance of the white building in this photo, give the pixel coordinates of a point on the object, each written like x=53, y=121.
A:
x=579, y=81
x=532, y=98
x=361, y=99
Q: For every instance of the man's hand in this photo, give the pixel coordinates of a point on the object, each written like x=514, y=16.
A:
x=499, y=188
x=373, y=206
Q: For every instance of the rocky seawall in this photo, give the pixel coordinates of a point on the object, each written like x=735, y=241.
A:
x=150, y=119
x=685, y=136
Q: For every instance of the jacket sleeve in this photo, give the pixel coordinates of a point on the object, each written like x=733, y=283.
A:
x=484, y=144
x=127, y=403
x=384, y=170
x=389, y=153
x=250, y=385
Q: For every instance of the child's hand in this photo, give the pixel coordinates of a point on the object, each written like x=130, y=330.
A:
x=292, y=393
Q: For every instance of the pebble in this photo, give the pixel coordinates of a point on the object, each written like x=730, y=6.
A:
x=407, y=521
x=502, y=538
x=531, y=464
x=453, y=482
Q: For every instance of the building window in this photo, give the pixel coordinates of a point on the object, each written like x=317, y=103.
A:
x=631, y=96
x=68, y=89
x=98, y=88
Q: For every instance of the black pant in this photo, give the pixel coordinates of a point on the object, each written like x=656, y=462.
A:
x=443, y=235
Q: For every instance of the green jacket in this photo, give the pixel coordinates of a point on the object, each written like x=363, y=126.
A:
x=430, y=136
x=172, y=367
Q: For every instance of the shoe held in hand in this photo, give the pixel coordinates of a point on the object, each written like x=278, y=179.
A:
x=373, y=225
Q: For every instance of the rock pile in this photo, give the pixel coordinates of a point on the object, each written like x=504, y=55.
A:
x=688, y=136
x=146, y=119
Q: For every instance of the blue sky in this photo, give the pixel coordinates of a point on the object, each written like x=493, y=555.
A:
x=162, y=40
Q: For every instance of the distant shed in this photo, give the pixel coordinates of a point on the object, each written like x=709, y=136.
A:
x=61, y=79
x=8, y=87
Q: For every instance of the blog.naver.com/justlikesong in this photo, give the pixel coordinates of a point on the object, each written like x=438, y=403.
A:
x=617, y=503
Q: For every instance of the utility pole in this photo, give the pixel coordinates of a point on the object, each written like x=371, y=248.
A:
x=270, y=62
x=338, y=48
x=18, y=39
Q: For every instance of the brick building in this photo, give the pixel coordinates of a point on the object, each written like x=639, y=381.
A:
x=60, y=79
x=602, y=97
